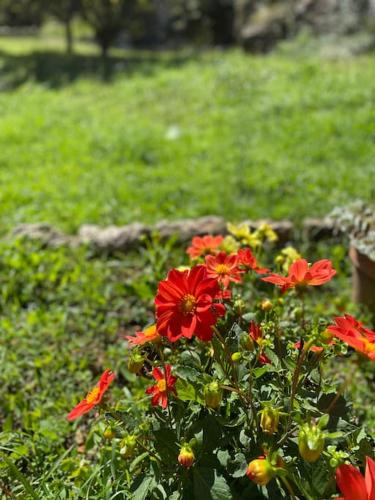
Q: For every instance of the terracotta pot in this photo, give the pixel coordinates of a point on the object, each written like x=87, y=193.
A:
x=363, y=279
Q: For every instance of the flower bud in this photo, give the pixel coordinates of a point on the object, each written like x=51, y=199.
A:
x=269, y=420
x=310, y=442
x=266, y=305
x=128, y=445
x=260, y=471
x=109, y=433
x=239, y=306
x=213, y=395
x=135, y=363
x=186, y=458
x=236, y=356
x=246, y=342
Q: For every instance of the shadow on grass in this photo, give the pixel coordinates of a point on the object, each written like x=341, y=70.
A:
x=56, y=69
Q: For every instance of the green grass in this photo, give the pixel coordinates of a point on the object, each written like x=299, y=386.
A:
x=180, y=134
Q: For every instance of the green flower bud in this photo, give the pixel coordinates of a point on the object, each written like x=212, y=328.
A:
x=236, y=356
x=246, y=342
x=213, y=395
x=128, y=445
x=109, y=433
x=310, y=442
x=269, y=420
x=135, y=363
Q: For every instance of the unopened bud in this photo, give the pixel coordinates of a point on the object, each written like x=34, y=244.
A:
x=260, y=471
x=213, y=395
x=128, y=445
x=266, y=305
x=310, y=442
x=109, y=433
x=269, y=420
x=246, y=342
x=186, y=457
x=135, y=363
x=236, y=356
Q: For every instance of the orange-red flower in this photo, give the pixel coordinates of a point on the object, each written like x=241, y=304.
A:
x=248, y=261
x=353, y=485
x=185, y=304
x=149, y=334
x=94, y=397
x=224, y=268
x=204, y=245
x=301, y=274
x=256, y=333
x=353, y=333
x=164, y=385
x=314, y=348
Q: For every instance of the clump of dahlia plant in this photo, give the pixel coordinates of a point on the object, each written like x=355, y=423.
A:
x=229, y=397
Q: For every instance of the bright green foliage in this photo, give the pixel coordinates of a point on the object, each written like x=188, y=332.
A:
x=178, y=135
x=63, y=317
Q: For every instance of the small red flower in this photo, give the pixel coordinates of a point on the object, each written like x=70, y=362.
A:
x=94, y=397
x=301, y=274
x=224, y=268
x=185, y=304
x=313, y=348
x=353, y=485
x=256, y=333
x=353, y=333
x=149, y=334
x=164, y=385
x=203, y=245
x=248, y=261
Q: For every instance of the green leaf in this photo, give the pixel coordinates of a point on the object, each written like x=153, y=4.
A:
x=187, y=392
x=208, y=484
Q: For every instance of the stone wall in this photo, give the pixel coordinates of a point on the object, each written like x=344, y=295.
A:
x=129, y=237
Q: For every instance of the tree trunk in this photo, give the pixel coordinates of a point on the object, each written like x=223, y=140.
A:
x=69, y=36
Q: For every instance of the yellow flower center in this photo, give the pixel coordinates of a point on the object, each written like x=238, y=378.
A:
x=368, y=346
x=150, y=331
x=188, y=304
x=162, y=385
x=92, y=395
x=222, y=269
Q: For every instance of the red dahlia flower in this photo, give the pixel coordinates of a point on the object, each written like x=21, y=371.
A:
x=185, y=304
x=224, y=268
x=94, y=397
x=248, y=261
x=203, y=245
x=301, y=274
x=164, y=385
x=149, y=334
x=351, y=331
x=353, y=485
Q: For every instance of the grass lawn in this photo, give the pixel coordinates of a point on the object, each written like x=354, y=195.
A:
x=179, y=134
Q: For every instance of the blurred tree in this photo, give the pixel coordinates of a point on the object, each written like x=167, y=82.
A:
x=106, y=17
x=21, y=12
x=64, y=11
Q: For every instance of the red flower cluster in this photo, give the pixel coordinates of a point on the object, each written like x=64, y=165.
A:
x=203, y=245
x=185, y=304
x=224, y=268
x=353, y=333
x=164, y=385
x=248, y=261
x=301, y=274
x=94, y=397
x=353, y=485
